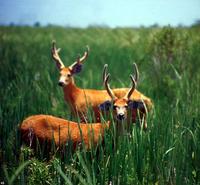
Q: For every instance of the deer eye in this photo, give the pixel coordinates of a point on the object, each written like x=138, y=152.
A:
x=114, y=107
x=69, y=75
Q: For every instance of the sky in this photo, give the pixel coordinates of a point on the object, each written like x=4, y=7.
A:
x=112, y=13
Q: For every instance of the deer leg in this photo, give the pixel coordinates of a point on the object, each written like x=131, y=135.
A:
x=83, y=117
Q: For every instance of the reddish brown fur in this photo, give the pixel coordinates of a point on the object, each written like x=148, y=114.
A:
x=47, y=128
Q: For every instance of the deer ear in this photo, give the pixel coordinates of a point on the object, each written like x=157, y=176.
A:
x=77, y=68
x=105, y=106
x=135, y=104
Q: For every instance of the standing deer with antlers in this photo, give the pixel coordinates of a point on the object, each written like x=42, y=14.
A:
x=80, y=100
x=121, y=106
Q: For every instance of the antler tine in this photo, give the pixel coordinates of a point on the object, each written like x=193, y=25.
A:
x=130, y=92
x=80, y=59
x=105, y=68
x=136, y=72
x=55, y=55
x=107, y=86
x=54, y=50
x=86, y=53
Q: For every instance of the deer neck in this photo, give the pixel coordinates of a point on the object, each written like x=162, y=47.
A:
x=70, y=91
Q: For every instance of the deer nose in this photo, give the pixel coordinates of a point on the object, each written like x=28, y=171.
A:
x=61, y=83
x=120, y=117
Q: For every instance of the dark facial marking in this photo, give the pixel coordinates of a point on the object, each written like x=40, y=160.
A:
x=135, y=104
x=77, y=68
x=105, y=106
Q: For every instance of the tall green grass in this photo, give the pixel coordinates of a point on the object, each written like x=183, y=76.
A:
x=168, y=153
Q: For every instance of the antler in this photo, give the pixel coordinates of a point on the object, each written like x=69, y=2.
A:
x=79, y=59
x=56, y=57
x=129, y=93
x=107, y=86
x=105, y=68
x=136, y=76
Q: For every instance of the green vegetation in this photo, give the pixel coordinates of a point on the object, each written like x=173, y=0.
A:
x=169, y=64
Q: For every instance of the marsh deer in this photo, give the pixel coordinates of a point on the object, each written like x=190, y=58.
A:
x=80, y=100
x=124, y=108
x=136, y=96
x=49, y=129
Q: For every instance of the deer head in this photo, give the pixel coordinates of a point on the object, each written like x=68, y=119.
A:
x=120, y=105
x=66, y=73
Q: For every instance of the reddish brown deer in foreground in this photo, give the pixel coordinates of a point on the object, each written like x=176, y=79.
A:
x=51, y=129
x=80, y=100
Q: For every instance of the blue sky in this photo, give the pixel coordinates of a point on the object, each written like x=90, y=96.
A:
x=81, y=13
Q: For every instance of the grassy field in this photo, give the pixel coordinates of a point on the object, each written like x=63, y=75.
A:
x=169, y=64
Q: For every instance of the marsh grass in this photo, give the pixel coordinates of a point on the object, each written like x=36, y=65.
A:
x=167, y=153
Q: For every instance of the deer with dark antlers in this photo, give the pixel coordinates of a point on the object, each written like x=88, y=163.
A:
x=124, y=108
